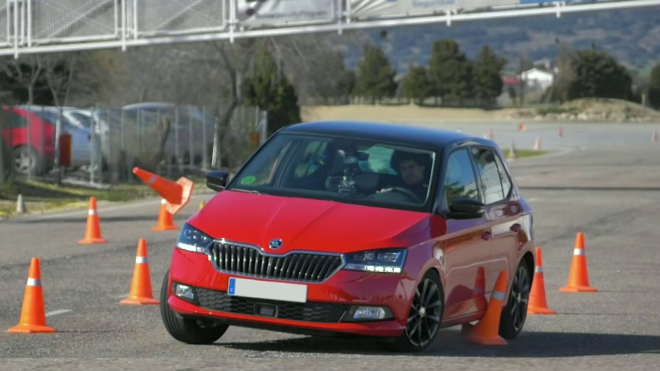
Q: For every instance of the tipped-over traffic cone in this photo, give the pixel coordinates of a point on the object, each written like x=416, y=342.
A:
x=537, y=300
x=93, y=230
x=177, y=194
x=165, y=222
x=578, y=278
x=33, y=313
x=486, y=332
x=141, y=293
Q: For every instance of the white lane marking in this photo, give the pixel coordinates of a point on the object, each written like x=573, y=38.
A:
x=59, y=311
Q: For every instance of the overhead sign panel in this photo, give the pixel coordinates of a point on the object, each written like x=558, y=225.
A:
x=256, y=13
x=390, y=8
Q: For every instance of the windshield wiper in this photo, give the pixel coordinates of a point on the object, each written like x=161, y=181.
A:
x=245, y=190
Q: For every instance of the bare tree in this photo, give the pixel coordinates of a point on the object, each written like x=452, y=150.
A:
x=25, y=72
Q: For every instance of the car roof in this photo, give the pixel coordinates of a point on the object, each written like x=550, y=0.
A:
x=397, y=133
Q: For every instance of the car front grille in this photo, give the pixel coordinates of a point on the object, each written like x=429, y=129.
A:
x=310, y=311
x=245, y=260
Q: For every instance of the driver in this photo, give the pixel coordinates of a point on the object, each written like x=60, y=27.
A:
x=412, y=170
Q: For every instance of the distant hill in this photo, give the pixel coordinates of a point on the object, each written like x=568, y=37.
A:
x=632, y=36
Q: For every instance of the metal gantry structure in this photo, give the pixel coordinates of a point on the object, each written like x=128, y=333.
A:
x=46, y=26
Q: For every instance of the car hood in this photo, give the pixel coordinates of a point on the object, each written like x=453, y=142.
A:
x=308, y=224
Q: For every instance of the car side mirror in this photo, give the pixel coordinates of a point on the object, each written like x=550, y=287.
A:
x=217, y=180
x=465, y=208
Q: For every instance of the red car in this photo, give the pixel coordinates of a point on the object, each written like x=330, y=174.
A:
x=357, y=230
x=34, y=154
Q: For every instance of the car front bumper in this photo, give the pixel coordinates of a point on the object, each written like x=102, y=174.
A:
x=329, y=305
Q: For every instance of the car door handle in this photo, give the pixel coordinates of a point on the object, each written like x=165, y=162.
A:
x=486, y=235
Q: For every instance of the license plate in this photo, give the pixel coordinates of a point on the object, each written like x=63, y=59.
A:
x=267, y=290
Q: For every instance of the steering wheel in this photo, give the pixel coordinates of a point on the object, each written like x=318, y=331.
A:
x=406, y=192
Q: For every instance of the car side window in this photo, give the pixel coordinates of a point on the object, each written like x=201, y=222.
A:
x=460, y=180
x=504, y=177
x=490, y=176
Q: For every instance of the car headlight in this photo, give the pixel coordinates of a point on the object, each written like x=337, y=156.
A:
x=192, y=239
x=377, y=261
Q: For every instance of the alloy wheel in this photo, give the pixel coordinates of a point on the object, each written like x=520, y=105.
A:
x=424, y=319
x=519, y=298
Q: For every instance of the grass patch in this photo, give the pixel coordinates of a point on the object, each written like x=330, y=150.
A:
x=522, y=153
x=42, y=196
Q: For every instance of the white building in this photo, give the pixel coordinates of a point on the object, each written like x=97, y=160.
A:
x=537, y=79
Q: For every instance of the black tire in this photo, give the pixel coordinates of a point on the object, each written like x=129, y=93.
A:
x=25, y=159
x=428, y=323
x=187, y=330
x=514, y=313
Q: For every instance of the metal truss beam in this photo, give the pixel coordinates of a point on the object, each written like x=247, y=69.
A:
x=347, y=24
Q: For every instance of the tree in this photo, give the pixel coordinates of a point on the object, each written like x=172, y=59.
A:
x=416, y=84
x=654, y=87
x=565, y=76
x=488, y=75
x=598, y=75
x=271, y=90
x=450, y=71
x=25, y=79
x=375, y=75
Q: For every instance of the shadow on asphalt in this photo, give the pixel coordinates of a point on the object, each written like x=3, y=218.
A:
x=450, y=344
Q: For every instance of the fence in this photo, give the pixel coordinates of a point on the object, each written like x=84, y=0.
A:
x=107, y=142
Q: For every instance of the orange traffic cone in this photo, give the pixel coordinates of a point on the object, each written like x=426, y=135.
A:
x=486, y=332
x=578, y=278
x=177, y=194
x=165, y=222
x=33, y=313
x=537, y=301
x=93, y=231
x=141, y=293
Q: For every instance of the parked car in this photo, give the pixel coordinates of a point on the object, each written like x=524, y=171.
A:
x=140, y=130
x=31, y=139
x=81, y=139
x=354, y=229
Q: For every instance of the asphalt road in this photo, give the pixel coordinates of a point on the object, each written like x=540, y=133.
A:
x=603, y=180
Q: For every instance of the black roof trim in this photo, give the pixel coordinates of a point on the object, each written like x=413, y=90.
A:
x=396, y=133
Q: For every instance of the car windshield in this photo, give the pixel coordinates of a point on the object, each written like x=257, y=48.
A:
x=347, y=170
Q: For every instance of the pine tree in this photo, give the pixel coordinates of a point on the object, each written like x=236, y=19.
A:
x=654, y=87
x=269, y=89
x=375, y=75
x=488, y=75
x=450, y=71
x=416, y=84
x=598, y=75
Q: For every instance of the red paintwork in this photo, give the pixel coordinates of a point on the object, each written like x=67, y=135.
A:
x=42, y=133
x=454, y=248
